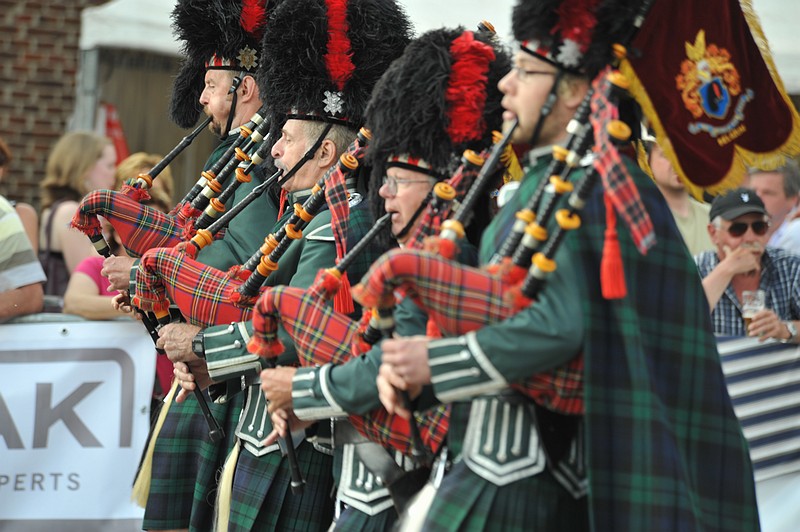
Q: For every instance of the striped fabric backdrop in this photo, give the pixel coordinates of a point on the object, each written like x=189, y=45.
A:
x=764, y=384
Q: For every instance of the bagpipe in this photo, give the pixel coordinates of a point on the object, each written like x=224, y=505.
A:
x=208, y=296
x=142, y=227
x=152, y=324
x=322, y=335
x=460, y=299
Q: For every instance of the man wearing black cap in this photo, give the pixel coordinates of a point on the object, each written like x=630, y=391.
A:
x=739, y=228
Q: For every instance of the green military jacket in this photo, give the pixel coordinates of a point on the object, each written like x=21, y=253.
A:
x=247, y=230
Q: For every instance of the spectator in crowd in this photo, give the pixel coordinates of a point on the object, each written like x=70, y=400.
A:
x=691, y=216
x=79, y=163
x=141, y=163
x=88, y=293
x=742, y=261
x=21, y=276
x=779, y=189
x=26, y=213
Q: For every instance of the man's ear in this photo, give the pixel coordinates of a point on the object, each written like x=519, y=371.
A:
x=248, y=89
x=573, y=92
x=326, y=154
x=712, y=232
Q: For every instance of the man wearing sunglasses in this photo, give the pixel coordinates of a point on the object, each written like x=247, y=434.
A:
x=742, y=261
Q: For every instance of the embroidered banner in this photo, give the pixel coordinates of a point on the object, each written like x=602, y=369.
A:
x=706, y=81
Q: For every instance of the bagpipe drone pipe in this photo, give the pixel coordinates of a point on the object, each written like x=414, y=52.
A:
x=142, y=227
x=208, y=296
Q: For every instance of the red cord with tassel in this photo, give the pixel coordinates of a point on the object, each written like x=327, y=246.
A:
x=612, y=274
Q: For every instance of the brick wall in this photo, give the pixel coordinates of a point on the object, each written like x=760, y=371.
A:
x=38, y=66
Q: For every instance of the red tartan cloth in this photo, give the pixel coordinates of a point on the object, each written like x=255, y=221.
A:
x=139, y=226
x=393, y=431
x=202, y=293
x=616, y=179
x=461, y=299
x=321, y=336
x=337, y=198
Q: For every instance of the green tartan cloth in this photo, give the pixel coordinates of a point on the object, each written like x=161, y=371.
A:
x=351, y=519
x=185, y=465
x=466, y=501
x=262, y=501
x=664, y=449
x=185, y=462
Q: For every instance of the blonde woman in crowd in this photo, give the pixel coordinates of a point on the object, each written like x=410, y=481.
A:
x=79, y=163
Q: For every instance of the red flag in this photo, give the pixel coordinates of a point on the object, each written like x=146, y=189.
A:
x=110, y=126
x=706, y=81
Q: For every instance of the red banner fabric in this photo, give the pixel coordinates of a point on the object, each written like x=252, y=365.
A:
x=707, y=86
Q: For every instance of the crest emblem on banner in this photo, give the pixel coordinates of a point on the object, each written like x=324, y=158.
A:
x=710, y=84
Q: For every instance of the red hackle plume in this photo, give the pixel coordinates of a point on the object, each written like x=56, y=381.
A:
x=576, y=21
x=338, y=58
x=253, y=17
x=466, y=88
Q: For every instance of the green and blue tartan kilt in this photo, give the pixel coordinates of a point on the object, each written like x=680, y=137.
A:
x=185, y=466
x=262, y=498
x=352, y=520
x=466, y=501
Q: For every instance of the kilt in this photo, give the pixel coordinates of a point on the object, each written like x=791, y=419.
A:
x=352, y=520
x=466, y=501
x=185, y=465
x=263, y=500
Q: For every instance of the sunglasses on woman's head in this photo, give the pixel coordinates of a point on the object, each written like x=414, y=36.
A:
x=739, y=228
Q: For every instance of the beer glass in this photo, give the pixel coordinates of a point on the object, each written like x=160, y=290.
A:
x=753, y=301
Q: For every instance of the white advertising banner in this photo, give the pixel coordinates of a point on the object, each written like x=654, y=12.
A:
x=74, y=417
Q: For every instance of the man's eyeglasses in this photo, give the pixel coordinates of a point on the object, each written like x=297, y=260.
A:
x=524, y=74
x=392, y=182
x=737, y=229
